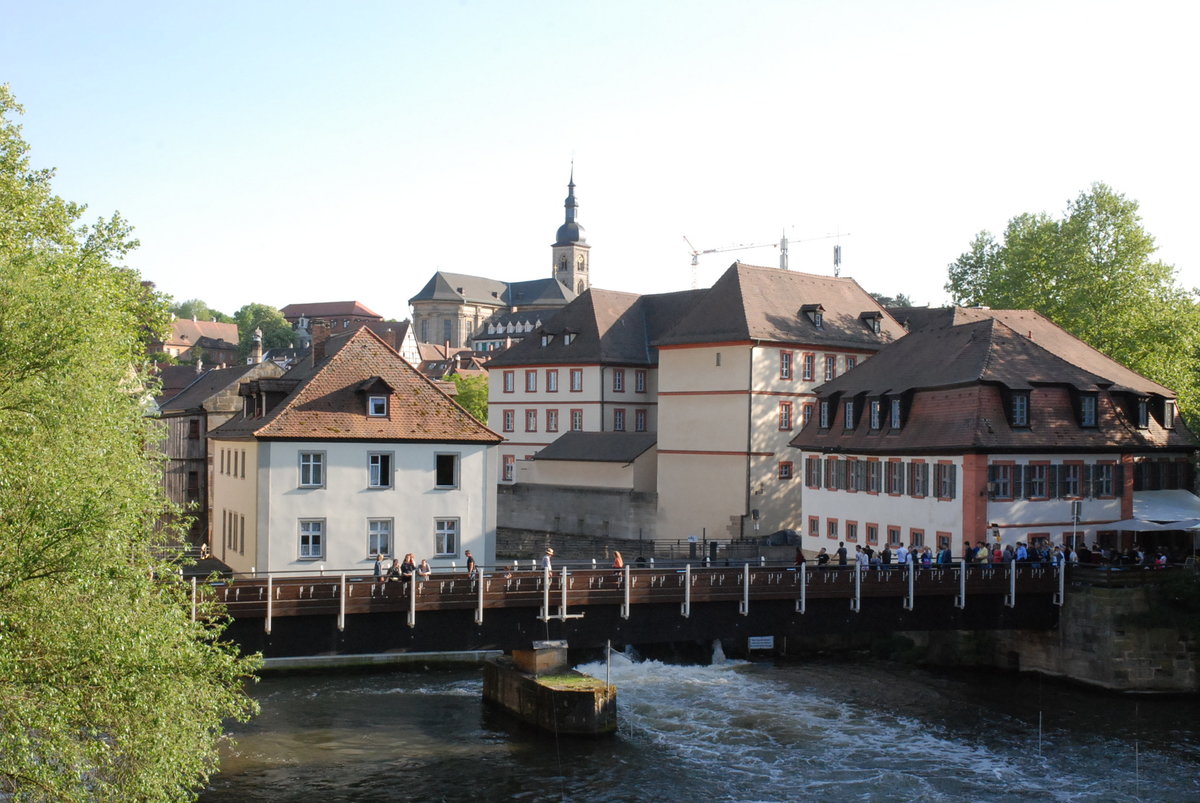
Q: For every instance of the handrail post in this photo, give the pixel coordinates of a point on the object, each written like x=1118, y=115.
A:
x=412, y=600
x=686, y=608
x=342, y=606
x=1010, y=599
x=802, y=603
x=960, y=601
x=856, y=600
x=479, y=604
x=270, y=596
x=744, y=608
x=545, y=614
x=562, y=609
x=912, y=569
x=625, y=604
x=193, y=598
x=1062, y=582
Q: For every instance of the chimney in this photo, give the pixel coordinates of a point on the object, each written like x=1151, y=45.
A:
x=320, y=333
x=199, y=366
x=256, y=350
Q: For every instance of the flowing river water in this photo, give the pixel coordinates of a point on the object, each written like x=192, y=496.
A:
x=730, y=731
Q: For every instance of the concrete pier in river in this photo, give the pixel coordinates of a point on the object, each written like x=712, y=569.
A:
x=537, y=686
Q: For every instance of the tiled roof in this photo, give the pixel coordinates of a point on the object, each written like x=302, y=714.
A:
x=210, y=382
x=330, y=309
x=755, y=303
x=460, y=288
x=598, y=447
x=326, y=406
x=187, y=331
x=609, y=327
x=1039, y=329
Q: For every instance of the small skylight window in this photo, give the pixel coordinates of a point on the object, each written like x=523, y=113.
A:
x=377, y=406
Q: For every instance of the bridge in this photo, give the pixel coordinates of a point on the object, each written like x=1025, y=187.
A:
x=290, y=615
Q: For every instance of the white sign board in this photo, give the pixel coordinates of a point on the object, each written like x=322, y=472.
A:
x=760, y=643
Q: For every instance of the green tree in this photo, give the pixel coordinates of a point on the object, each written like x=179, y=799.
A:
x=898, y=300
x=1092, y=272
x=277, y=332
x=108, y=689
x=198, y=309
x=473, y=395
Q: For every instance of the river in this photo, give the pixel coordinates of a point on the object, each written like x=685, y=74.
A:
x=730, y=731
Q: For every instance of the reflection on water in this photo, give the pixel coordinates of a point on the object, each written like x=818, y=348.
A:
x=732, y=731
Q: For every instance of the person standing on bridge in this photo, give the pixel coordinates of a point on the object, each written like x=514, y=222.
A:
x=901, y=554
x=470, y=564
x=378, y=567
x=546, y=559
x=841, y=554
x=618, y=561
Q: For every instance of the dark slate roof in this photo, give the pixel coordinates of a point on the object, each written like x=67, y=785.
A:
x=215, y=343
x=172, y=380
x=610, y=327
x=598, y=447
x=519, y=319
x=460, y=288
x=209, y=383
x=1039, y=329
x=756, y=303
x=326, y=406
x=330, y=309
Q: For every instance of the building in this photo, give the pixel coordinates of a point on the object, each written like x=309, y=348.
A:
x=591, y=368
x=460, y=311
x=736, y=379
x=190, y=415
x=985, y=424
x=192, y=341
x=350, y=454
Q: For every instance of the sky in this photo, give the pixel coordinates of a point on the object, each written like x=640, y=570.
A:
x=292, y=152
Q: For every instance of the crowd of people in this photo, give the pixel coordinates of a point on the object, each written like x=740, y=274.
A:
x=1040, y=552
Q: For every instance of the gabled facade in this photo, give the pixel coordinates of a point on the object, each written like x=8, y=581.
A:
x=963, y=432
x=349, y=456
x=191, y=340
x=736, y=381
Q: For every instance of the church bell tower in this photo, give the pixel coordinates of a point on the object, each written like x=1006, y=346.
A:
x=570, y=249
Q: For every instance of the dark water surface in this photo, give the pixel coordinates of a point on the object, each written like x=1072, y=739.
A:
x=733, y=731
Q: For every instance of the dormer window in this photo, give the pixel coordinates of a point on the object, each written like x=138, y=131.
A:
x=377, y=406
x=824, y=414
x=1143, y=413
x=1087, y=410
x=568, y=338
x=1019, y=409
x=815, y=313
x=876, y=413
x=1168, y=414
x=818, y=319
x=546, y=340
x=848, y=413
x=377, y=392
x=872, y=320
x=894, y=416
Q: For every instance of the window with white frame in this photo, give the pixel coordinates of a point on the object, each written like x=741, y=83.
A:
x=576, y=380
x=1168, y=414
x=312, y=469
x=1071, y=483
x=509, y=420
x=785, y=415
x=807, y=367
x=1087, y=410
x=618, y=376
x=1036, y=486
x=876, y=414
x=1019, y=407
x=552, y=420
x=894, y=417
x=639, y=420
x=510, y=382
x=918, y=479
x=509, y=471
x=531, y=420
x=785, y=470
x=531, y=381
x=379, y=537
x=377, y=406
x=577, y=420
x=848, y=415
x=851, y=362
x=379, y=470
x=619, y=419
x=639, y=381
x=945, y=477
x=785, y=365
x=312, y=538
x=445, y=538
x=552, y=380
x=1102, y=479
x=445, y=466
x=830, y=367
x=806, y=414
x=1143, y=413
x=824, y=423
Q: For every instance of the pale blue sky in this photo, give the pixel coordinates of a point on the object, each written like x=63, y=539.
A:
x=292, y=152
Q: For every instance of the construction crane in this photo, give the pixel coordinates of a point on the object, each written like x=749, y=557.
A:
x=782, y=245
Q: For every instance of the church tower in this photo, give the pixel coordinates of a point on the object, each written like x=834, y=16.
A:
x=570, y=249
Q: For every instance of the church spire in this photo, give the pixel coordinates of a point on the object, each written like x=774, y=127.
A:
x=570, y=249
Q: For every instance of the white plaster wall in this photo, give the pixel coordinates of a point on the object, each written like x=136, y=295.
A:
x=346, y=503
x=697, y=494
x=582, y=474
x=1021, y=517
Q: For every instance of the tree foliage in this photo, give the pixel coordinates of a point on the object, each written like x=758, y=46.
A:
x=277, y=332
x=473, y=395
x=898, y=300
x=1092, y=272
x=108, y=689
x=198, y=309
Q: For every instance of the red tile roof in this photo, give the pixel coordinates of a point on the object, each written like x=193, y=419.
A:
x=330, y=309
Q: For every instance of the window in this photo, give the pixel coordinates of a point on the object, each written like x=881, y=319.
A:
x=1019, y=409
x=852, y=531
x=194, y=429
x=312, y=538
x=814, y=526
x=510, y=421
x=916, y=538
x=552, y=420
x=576, y=380
x=894, y=422
x=895, y=477
x=858, y=475
x=812, y=472
x=1000, y=481
x=874, y=476
x=193, y=484
x=619, y=420
x=876, y=414
x=785, y=470
x=509, y=470
x=546, y=340
x=510, y=382
x=639, y=420
x=830, y=367
x=531, y=417
x=446, y=470
x=785, y=415
x=445, y=538
x=639, y=381
x=918, y=479
x=531, y=381
x=377, y=406
x=379, y=537
x=872, y=533
x=1087, y=410
x=785, y=365
x=893, y=536
x=831, y=473
x=807, y=367
x=1035, y=481
x=242, y=452
x=824, y=415
x=618, y=380
x=1143, y=413
x=851, y=362
x=447, y=328
x=1168, y=414
x=1070, y=485
x=1102, y=479
x=831, y=528
x=312, y=469
x=806, y=413
x=577, y=420
x=848, y=415
x=379, y=470
x=945, y=477
x=818, y=319
x=552, y=381
x=568, y=338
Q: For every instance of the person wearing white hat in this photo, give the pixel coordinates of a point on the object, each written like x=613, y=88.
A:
x=546, y=558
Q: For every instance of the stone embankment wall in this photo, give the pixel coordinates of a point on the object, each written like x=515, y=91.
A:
x=595, y=512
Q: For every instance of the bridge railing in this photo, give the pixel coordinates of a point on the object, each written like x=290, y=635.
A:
x=559, y=594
